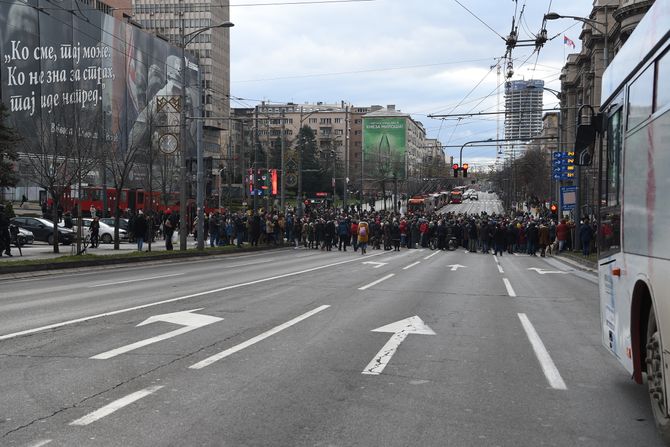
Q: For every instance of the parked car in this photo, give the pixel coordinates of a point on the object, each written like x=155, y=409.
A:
x=106, y=232
x=123, y=222
x=42, y=229
x=474, y=195
x=22, y=237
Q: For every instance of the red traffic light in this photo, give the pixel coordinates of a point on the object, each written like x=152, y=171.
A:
x=455, y=167
x=553, y=208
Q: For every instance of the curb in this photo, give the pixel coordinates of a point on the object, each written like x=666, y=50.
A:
x=588, y=267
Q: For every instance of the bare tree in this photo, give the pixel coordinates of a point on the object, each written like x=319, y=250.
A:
x=62, y=151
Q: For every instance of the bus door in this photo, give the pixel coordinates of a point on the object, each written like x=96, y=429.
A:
x=615, y=299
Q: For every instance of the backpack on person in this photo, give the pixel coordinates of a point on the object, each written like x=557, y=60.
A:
x=363, y=231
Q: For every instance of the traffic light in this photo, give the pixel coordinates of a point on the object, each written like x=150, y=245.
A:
x=465, y=169
x=455, y=168
x=553, y=208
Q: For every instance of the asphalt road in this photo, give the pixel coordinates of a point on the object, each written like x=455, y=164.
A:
x=487, y=202
x=280, y=349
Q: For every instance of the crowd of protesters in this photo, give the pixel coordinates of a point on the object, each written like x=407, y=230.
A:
x=328, y=229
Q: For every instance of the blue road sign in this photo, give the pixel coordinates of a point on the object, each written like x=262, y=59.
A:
x=559, y=155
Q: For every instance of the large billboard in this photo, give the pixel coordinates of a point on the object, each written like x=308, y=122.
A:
x=385, y=147
x=70, y=70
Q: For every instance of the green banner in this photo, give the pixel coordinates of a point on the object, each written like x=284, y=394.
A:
x=384, y=146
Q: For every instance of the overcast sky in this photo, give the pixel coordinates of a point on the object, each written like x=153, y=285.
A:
x=424, y=56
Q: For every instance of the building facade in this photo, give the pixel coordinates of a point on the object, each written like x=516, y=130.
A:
x=610, y=23
x=523, y=109
x=211, y=47
x=257, y=135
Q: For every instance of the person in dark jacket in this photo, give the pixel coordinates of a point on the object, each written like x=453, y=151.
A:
x=395, y=236
x=585, y=237
x=343, y=234
x=499, y=239
x=532, y=237
x=140, y=228
x=5, y=237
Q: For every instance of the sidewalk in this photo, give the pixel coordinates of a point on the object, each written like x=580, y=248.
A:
x=577, y=260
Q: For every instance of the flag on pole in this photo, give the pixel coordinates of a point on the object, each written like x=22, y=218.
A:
x=567, y=41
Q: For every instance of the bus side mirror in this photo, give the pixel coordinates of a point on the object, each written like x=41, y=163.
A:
x=584, y=144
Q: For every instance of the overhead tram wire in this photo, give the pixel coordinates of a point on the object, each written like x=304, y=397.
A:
x=372, y=70
x=479, y=19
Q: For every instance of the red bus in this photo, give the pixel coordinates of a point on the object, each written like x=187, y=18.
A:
x=130, y=198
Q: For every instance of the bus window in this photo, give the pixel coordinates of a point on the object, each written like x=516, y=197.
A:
x=663, y=82
x=140, y=198
x=95, y=194
x=640, y=97
x=609, y=234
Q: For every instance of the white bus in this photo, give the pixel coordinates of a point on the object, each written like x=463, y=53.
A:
x=634, y=208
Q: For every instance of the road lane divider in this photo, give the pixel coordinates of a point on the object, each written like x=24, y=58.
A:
x=508, y=286
x=116, y=405
x=374, y=283
x=176, y=299
x=252, y=341
x=548, y=367
x=430, y=256
x=407, y=267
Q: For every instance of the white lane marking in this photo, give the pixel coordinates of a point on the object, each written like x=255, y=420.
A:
x=517, y=254
x=495, y=258
x=221, y=355
x=508, y=286
x=400, y=330
x=373, y=283
x=41, y=443
x=411, y=265
x=116, y=405
x=430, y=256
x=500, y=269
x=188, y=319
x=179, y=298
x=149, y=278
x=548, y=366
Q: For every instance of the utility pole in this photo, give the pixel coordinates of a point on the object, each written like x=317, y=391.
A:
x=283, y=177
x=254, y=165
x=345, y=194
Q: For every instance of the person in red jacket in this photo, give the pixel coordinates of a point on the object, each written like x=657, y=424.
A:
x=403, y=233
x=354, y=234
x=562, y=235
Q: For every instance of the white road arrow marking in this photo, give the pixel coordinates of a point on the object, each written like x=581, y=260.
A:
x=544, y=272
x=376, y=264
x=400, y=330
x=186, y=318
x=455, y=267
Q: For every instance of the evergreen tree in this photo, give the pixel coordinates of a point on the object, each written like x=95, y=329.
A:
x=8, y=154
x=312, y=175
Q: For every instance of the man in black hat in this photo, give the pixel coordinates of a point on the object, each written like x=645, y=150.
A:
x=4, y=232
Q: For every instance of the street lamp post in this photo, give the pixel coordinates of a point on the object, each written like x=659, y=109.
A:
x=185, y=39
x=591, y=23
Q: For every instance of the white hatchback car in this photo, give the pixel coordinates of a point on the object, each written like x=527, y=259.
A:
x=106, y=233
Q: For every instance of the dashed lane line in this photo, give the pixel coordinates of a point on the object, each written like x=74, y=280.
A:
x=116, y=405
x=548, y=367
x=411, y=265
x=252, y=341
x=374, y=283
x=508, y=286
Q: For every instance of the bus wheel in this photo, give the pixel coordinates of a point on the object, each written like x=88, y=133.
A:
x=655, y=377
